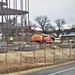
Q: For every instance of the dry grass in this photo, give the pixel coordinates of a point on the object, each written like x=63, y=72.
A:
x=30, y=57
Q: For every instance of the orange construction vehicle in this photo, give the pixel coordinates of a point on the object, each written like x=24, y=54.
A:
x=42, y=38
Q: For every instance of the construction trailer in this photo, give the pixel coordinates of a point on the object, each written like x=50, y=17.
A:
x=14, y=16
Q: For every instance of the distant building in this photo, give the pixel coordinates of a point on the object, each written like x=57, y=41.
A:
x=73, y=26
x=66, y=36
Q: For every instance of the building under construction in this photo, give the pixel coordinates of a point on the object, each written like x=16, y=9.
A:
x=14, y=17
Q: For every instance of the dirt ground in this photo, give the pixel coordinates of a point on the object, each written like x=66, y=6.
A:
x=38, y=57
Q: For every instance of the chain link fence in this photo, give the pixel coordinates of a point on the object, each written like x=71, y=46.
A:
x=21, y=57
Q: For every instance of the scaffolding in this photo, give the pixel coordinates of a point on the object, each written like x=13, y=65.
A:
x=14, y=14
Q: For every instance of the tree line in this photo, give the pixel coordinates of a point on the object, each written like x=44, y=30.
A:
x=45, y=25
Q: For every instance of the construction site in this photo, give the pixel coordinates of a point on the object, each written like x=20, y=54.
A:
x=22, y=54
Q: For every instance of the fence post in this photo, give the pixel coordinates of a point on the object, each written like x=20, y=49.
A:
x=62, y=54
x=21, y=57
x=5, y=56
x=34, y=54
x=44, y=53
x=54, y=55
x=70, y=50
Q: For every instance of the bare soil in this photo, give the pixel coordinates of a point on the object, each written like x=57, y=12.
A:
x=38, y=57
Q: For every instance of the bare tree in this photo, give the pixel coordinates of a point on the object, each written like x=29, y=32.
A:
x=43, y=22
x=59, y=23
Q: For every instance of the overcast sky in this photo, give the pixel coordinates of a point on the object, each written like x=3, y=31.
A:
x=54, y=9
